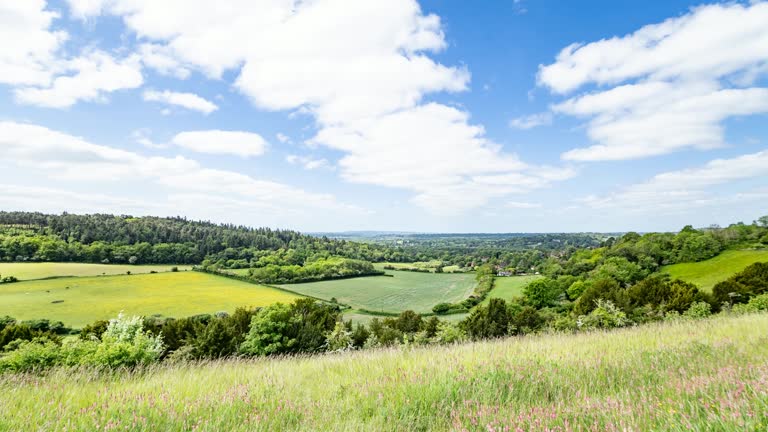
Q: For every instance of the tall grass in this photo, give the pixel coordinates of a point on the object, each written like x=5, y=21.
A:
x=689, y=375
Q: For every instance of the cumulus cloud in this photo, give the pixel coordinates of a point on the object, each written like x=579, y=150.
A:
x=94, y=75
x=69, y=158
x=688, y=188
x=239, y=143
x=189, y=101
x=531, y=121
x=667, y=86
x=521, y=205
x=28, y=45
x=308, y=163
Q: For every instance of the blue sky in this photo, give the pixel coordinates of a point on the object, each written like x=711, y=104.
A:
x=436, y=116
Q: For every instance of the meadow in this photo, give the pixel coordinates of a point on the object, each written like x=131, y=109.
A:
x=42, y=270
x=674, y=376
x=509, y=287
x=707, y=273
x=403, y=290
x=83, y=300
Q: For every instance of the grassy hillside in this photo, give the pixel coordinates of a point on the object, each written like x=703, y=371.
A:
x=688, y=375
x=41, y=270
x=707, y=273
x=87, y=299
x=404, y=290
x=510, y=287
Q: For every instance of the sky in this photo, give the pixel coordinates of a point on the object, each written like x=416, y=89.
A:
x=402, y=115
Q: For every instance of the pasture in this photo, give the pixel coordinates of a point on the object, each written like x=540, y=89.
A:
x=42, y=270
x=684, y=375
x=404, y=290
x=85, y=299
x=509, y=287
x=707, y=273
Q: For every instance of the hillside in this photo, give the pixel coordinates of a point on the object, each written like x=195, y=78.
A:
x=707, y=273
x=683, y=375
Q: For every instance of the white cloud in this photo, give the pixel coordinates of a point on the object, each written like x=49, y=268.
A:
x=688, y=188
x=671, y=85
x=521, y=205
x=434, y=151
x=187, y=100
x=141, y=136
x=370, y=69
x=308, y=163
x=95, y=74
x=243, y=144
x=67, y=158
x=283, y=138
x=28, y=46
x=160, y=59
x=531, y=121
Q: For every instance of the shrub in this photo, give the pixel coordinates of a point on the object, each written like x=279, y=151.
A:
x=542, y=293
x=174, y=269
x=448, y=333
x=605, y=289
x=698, y=309
x=94, y=330
x=605, y=315
x=36, y=354
x=441, y=308
x=339, y=339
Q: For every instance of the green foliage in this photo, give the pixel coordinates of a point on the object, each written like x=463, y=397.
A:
x=281, y=329
x=601, y=289
x=322, y=269
x=442, y=308
x=542, y=293
x=123, y=344
x=577, y=289
x=698, y=309
x=94, y=330
x=605, y=315
x=448, y=333
x=339, y=339
x=741, y=287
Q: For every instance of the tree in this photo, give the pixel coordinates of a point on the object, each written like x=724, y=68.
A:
x=542, y=293
x=763, y=221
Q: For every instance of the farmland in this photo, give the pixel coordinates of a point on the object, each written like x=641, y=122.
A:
x=684, y=375
x=42, y=270
x=86, y=299
x=707, y=273
x=510, y=287
x=404, y=290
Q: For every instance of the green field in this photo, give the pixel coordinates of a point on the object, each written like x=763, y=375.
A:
x=703, y=375
x=42, y=270
x=707, y=273
x=405, y=290
x=86, y=299
x=509, y=287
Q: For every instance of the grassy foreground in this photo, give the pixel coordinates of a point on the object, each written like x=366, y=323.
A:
x=82, y=300
x=709, y=272
x=688, y=375
x=41, y=270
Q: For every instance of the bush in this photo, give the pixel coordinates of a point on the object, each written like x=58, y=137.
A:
x=441, y=308
x=698, y=309
x=542, y=293
x=605, y=315
x=448, y=333
x=339, y=339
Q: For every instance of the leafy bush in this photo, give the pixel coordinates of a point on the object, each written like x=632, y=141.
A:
x=301, y=326
x=339, y=339
x=605, y=315
x=441, y=308
x=698, y=309
x=448, y=333
x=542, y=293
